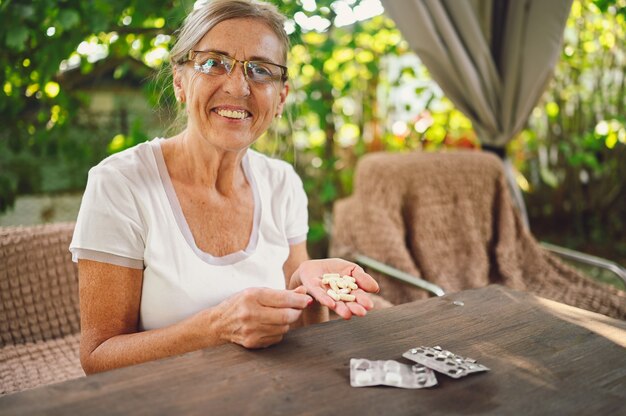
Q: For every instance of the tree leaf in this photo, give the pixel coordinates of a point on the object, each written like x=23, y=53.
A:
x=16, y=37
x=68, y=18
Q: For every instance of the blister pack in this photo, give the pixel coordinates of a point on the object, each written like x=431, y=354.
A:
x=390, y=373
x=444, y=361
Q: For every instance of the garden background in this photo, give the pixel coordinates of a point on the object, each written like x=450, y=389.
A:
x=82, y=80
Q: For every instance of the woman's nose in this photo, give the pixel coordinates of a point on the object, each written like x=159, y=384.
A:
x=236, y=83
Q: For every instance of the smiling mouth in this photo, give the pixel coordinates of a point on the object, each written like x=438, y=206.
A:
x=232, y=114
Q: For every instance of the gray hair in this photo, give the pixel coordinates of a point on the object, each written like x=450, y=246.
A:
x=206, y=15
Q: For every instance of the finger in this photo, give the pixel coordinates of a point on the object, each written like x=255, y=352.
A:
x=261, y=341
x=364, y=280
x=356, y=309
x=321, y=296
x=278, y=316
x=316, y=289
x=282, y=298
x=302, y=290
x=269, y=341
x=363, y=299
x=342, y=310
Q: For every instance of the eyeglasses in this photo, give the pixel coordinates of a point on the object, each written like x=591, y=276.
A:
x=213, y=63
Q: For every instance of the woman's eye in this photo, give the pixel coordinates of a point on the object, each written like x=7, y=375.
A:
x=210, y=63
x=211, y=66
x=260, y=70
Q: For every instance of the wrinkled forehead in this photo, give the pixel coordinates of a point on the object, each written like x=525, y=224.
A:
x=244, y=38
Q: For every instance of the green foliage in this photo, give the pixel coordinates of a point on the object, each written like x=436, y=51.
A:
x=348, y=85
x=340, y=79
x=39, y=110
x=574, y=151
x=335, y=115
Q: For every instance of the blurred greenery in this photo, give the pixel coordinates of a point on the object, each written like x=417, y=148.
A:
x=573, y=153
x=46, y=46
x=355, y=88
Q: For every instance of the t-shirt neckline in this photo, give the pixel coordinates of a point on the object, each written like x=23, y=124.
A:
x=181, y=221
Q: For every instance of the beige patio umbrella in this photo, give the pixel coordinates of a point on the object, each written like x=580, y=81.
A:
x=492, y=58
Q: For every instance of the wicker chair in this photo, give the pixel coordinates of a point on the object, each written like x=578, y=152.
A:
x=39, y=310
x=444, y=222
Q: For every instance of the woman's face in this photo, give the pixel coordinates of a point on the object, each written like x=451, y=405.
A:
x=229, y=111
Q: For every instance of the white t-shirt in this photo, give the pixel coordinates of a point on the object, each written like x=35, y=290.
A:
x=130, y=216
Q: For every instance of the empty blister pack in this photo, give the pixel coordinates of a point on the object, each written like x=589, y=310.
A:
x=444, y=361
x=365, y=373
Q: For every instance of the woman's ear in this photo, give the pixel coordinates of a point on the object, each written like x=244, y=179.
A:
x=179, y=91
x=283, y=96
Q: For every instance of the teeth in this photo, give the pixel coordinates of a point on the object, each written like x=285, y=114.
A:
x=232, y=113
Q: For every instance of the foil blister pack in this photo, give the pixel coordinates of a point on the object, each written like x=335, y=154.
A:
x=365, y=373
x=444, y=361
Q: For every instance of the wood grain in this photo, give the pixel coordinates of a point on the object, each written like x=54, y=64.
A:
x=545, y=358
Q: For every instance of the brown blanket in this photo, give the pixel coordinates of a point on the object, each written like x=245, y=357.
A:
x=448, y=218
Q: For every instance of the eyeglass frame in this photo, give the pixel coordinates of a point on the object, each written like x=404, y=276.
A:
x=192, y=54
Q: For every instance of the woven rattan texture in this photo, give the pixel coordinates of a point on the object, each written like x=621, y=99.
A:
x=34, y=364
x=39, y=312
x=449, y=219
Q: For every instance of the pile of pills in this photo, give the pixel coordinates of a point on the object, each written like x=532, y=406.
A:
x=340, y=286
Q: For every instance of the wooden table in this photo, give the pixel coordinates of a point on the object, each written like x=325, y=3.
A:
x=545, y=358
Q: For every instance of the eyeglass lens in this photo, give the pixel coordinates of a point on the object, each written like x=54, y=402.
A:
x=217, y=64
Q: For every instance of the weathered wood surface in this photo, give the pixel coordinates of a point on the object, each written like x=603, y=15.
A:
x=544, y=359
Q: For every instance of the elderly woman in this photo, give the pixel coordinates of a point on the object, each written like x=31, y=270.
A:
x=197, y=240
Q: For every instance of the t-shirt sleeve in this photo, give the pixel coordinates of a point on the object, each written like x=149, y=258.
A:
x=297, y=218
x=109, y=227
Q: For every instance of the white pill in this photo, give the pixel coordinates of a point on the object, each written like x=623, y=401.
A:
x=347, y=298
x=342, y=283
x=391, y=366
x=353, y=286
x=333, y=294
x=344, y=291
x=350, y=278
x=333, y=285
x=393, y=378
x=363, y=377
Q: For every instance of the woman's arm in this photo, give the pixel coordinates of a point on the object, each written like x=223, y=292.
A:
x=109, y=308
x=110, y=298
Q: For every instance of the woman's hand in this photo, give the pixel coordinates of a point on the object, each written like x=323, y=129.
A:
x=309, y=274
x=259, y=317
